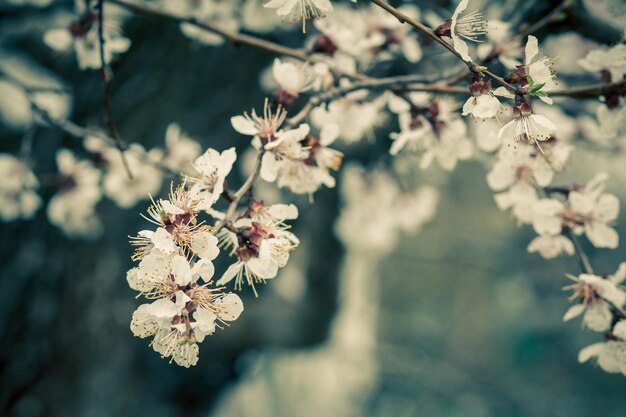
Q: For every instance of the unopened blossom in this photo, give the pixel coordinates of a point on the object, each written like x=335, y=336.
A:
x=73, y=208
x=522, y=163
x=612, y=60
x=261, y=248
x=610, y=354
x=461, y=28
x=526, y=127
x=83, y=35
x=18, y=189
x=596, y=296
x=211, y=168
x=300, y=10
x=180, y=150
x=587, y=210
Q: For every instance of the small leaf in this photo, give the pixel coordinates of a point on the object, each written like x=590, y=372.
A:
x=540, y=94
x=536, y=87
x=530, y=80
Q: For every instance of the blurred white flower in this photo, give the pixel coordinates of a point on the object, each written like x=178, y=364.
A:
x=587, y=210
x=83, y=35
x=73, y=208
x=612, y=60
x=522, y=163
x=18, y=189
x=180, y=150
x=550, y=247
x=611, y=354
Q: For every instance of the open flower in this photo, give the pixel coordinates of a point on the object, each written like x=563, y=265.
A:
x=541, y=70
x=526, y=126
x=261, y=249
x=462, y=28
x=300, y=10
x=212, y=167
x=483, y=103
x=587, y=210
x=597, y=296
x=610, y=354
x=265, y=126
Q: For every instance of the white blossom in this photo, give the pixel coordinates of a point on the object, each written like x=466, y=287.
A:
x=73, y=208
x=212, y=167
x=18, y=189
x=595, y=293
x=611, y=354
x=300, y=10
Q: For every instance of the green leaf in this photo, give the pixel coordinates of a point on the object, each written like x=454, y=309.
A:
x=540, y=94
x=530, y=80
x=536, y=88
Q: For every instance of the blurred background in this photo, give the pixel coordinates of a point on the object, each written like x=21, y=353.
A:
x=458, y=320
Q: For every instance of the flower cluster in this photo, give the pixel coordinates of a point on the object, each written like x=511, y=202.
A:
x=293, y=158
x=176, y=272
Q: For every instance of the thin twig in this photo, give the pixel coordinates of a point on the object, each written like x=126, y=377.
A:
x=235, y=198
x=106, y=99
x=79, y=132
x=583, y=260
x=431, y=34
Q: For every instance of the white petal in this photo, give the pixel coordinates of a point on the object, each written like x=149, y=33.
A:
x=243, y=125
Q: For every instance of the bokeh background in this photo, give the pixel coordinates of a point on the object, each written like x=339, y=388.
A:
x=458, y=320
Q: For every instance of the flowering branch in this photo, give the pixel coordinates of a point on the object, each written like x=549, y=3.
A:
x=106, y=99
x=403, y=18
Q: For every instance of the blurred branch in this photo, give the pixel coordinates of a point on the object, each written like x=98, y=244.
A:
x=234, y=37
x=106, y=99
x=80, y=132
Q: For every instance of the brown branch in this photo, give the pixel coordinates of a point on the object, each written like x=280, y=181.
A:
x=234, y=37
x=431, y=34
x=106, y=99
x=79, y=132
x=235, y=198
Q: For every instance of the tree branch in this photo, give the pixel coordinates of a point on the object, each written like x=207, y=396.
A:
x=106, y=99
x=235, y=198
